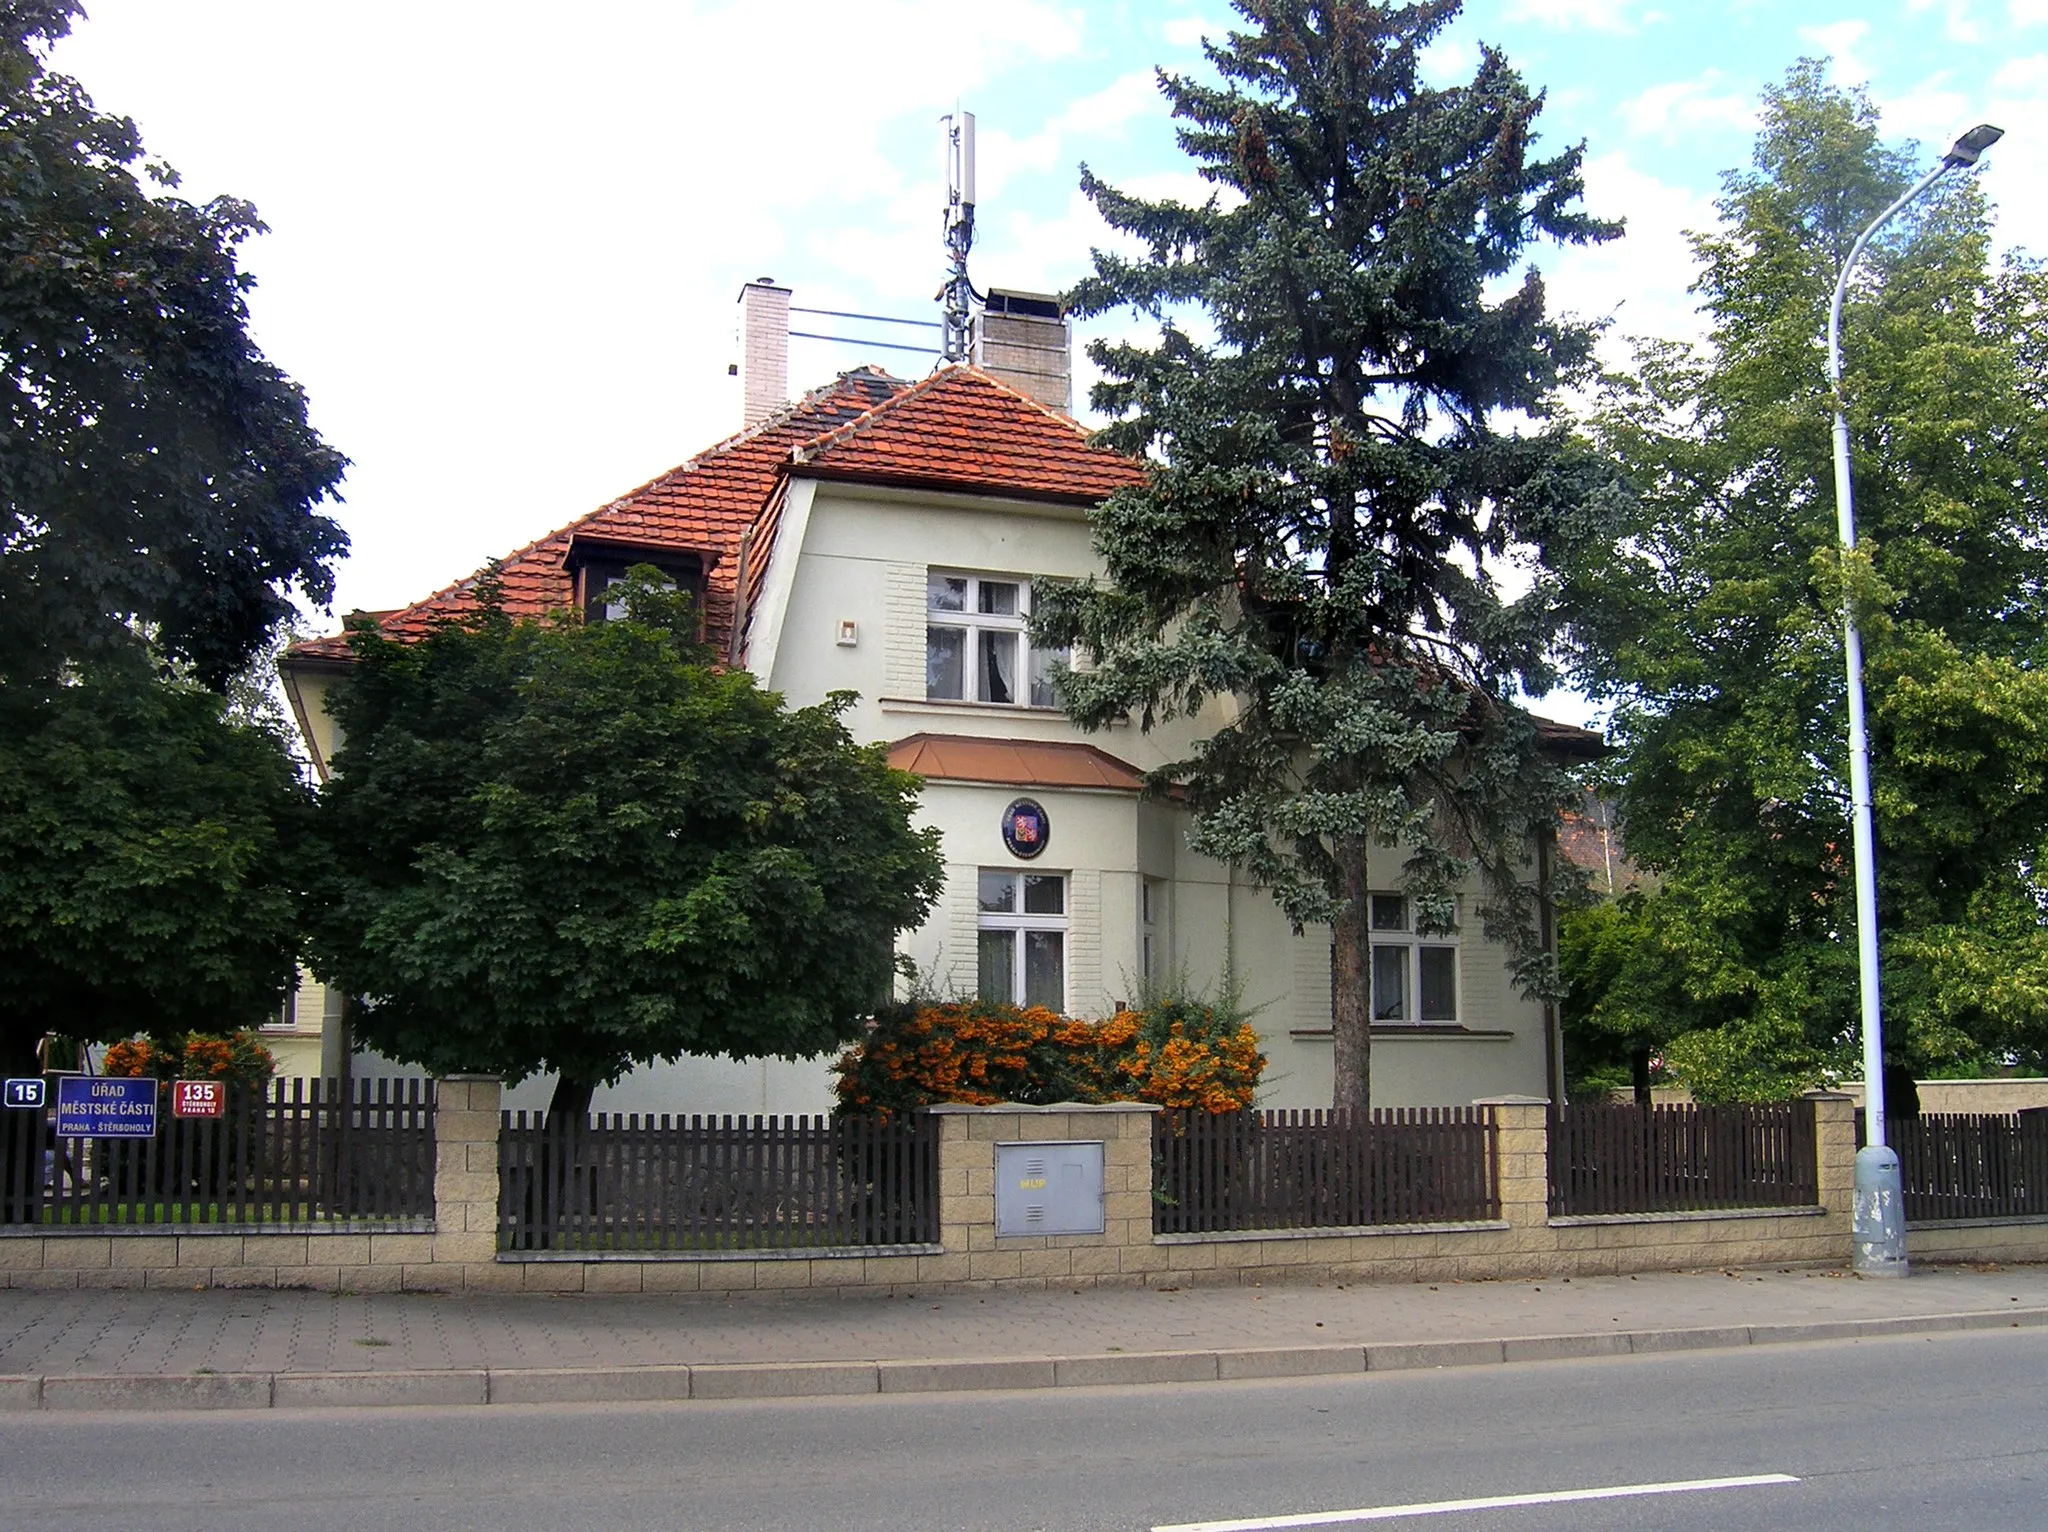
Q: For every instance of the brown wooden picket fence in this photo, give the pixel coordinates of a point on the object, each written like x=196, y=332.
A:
x=1682, y=1157
x=628, y=1182
x=296, y=1152
x=1231, y=1172
x=1971, y=1164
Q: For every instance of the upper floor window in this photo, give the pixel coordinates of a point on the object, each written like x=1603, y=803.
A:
x=599, y=568
x=607, y=602
x=1414, y=978
x=975, y=647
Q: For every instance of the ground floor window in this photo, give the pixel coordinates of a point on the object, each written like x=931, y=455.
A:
x=1151, y=929
x=1414, y=978
x=1021, y=943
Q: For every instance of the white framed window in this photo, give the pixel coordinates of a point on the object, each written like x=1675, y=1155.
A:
x=975, y=646
x=286, y=1017
x=1021, y=937
x=1414, y=978
x=609, y=604
x=1152, y=928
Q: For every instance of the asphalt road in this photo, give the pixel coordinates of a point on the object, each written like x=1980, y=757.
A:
x=1945, y=1431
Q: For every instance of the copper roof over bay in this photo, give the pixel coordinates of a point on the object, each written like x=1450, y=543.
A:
x=1013, y=762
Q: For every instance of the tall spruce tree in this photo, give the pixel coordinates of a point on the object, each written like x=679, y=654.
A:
x=1714, y=621
x=1334, y=493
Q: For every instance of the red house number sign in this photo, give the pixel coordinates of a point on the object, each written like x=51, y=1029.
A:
x=198, y=1098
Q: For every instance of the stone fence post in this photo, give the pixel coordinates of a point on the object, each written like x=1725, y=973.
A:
x=1834, y=1131
x=466, y=1118
x=968, y=1136
x=1522, y=1165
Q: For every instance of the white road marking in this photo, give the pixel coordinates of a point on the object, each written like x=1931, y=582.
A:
x=1489, y=1503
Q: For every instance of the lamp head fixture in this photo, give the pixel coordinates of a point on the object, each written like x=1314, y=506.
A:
x=1972, y=144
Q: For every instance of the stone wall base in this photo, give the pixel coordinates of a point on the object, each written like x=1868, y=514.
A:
x=457, y=1251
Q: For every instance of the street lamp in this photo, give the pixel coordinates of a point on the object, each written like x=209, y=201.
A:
x=1879, y=1224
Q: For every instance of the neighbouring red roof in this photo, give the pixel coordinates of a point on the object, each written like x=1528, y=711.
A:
x=703, y=506
x=1013, y=762
x=964, y=430
x=1568, y=740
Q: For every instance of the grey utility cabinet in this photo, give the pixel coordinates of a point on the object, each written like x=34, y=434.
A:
x=1049, y=1188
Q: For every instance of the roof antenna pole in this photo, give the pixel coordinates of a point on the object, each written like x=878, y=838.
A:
x=958, y=294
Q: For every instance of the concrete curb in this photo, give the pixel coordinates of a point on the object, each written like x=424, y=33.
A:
x=813, y=1380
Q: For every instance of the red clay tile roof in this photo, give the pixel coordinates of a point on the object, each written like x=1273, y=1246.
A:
x=962, y=429
x=767, y=527
x=1013, y=762
x=1567, y=740
x=703, y=506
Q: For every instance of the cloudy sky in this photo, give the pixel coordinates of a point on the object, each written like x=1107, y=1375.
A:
x=506, y=238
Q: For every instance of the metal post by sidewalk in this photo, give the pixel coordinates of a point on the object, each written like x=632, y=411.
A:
x=1878, y=1229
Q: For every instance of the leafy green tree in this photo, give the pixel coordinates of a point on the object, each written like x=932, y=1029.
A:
x=1611, y=1028
x=1713, y=620
x=1336, y=480
x=580, y=847
x=157, y=469
x=151, y=856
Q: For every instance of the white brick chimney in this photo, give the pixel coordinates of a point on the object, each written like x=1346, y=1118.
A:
x=764, y=350
x=1027, y=340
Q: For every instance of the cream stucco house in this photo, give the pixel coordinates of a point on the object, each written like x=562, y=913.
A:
x=882, y=537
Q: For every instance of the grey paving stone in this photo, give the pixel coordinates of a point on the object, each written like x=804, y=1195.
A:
x=248, y=1391
x=351, y=1390
x=1696, y=1338
x=1290, y=1362
x=914, y=1377
x=587, y=1385
x=783, y=1380
x=1135, y=1367
x=1401, y=1356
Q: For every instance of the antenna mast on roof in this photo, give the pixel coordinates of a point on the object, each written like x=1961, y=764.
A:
x=958, y=294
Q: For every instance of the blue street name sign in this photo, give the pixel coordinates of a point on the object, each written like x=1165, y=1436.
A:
x=89, y=1107
x=25, y=1092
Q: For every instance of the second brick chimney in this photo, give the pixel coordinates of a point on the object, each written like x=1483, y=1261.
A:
x=764, y=350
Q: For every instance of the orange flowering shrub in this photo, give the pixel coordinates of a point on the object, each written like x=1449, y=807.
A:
x=130, y=1060
x=240, y=1059
x=1174, y=1053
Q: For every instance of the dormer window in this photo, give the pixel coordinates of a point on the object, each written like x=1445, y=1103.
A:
x=975, y=646
x=598, y=568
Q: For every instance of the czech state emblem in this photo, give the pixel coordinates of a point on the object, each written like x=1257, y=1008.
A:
x=1025, y=828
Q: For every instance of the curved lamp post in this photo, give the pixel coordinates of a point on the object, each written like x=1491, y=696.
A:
x=1879, y=1223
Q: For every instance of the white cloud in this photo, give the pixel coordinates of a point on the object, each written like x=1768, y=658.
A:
x=1451, y=58
x=1839, y=41
x=2026, y=76
x=1957, y=22
x=1681, y=108
x=1931, y=111
x=1640, y=281
x=1075, y=132
x=1188, y=31
x=1594, y=15
x=2028, y=13
x=505, y=252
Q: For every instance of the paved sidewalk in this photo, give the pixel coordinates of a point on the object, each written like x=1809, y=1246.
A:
x=254, y=1349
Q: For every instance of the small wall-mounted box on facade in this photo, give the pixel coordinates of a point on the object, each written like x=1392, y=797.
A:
x=1053, y=1188
x=849, y=633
